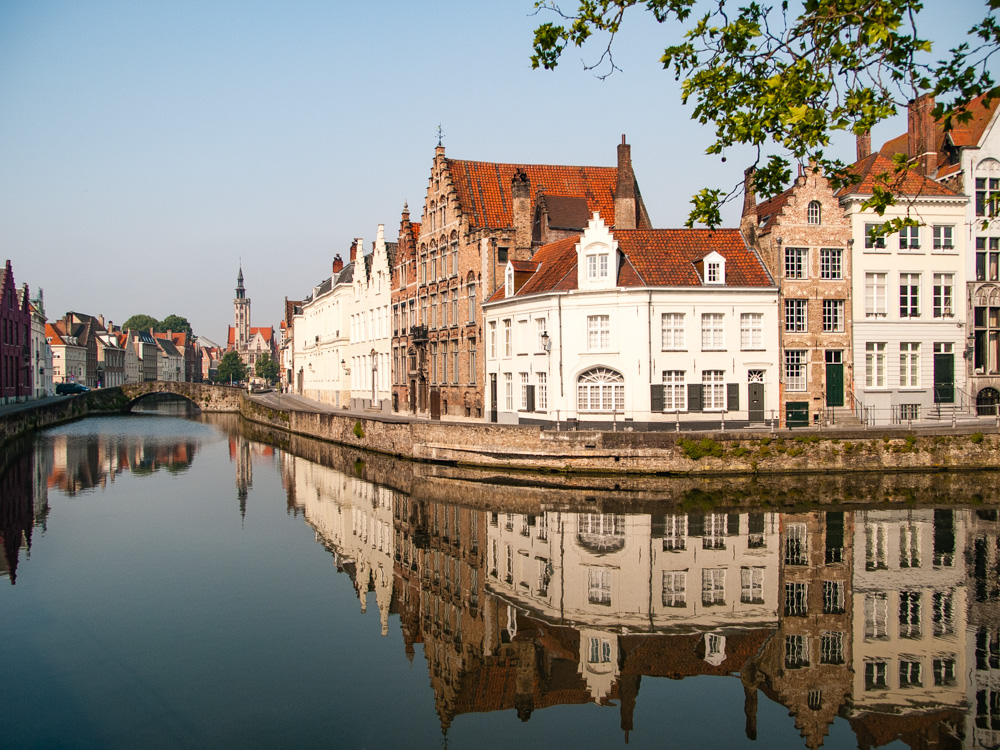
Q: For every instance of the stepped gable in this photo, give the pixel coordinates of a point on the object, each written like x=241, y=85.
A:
x=909, y=182
x=484, y=191
x=769, y=210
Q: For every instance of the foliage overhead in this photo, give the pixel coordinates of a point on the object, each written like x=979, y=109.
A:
x=266, y=368
x=231, y=369
x=768, y=76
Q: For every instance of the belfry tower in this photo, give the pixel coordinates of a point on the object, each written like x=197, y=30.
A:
x=241, y=312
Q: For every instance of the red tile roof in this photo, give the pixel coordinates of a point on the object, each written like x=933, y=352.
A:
x=769, y=210
x=484, y=190
x=267, y=333
x=653, y=257
x=909, y=182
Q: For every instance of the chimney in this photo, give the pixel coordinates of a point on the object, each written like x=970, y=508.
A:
x=100, y=319
x=625, y=203
x=338, y=264
x=354, y=248
x=520, y=189
x=864, y=145
x=919, y=133
x=748, y=220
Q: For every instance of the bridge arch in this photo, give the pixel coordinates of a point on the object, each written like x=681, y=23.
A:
x=205, y=396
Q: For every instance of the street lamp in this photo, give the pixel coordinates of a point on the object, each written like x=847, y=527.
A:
x=374, y=355
x=546, y=342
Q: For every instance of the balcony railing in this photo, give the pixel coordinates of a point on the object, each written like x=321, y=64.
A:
x=418, y=333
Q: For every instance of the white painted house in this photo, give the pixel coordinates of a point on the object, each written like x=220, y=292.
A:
x=909, y=302
x=370, y=330
x=319, y=344
x=634, y=326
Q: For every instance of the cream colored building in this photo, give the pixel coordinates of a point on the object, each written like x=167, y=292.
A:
x=368, y=311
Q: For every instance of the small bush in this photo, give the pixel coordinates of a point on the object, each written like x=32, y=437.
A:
x=976, y=437
x=359, y=431
x=696, y=450
x=738, y=452
x=795, y=451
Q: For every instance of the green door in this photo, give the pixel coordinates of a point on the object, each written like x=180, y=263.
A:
x=797, y=414
x=834, y=384
x=944, y=378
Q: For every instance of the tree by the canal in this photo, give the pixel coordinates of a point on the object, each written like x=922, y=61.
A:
x=266, y=368
x=141, y=323
x=231, y=369
x=175, y=323
x=789, y=77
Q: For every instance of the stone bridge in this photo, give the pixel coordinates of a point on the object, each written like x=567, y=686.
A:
x=207, y=397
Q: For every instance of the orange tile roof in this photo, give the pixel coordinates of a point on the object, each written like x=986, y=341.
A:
x=484, y=190
x=769, y=210
x=653, y=257
x=909, y=182
x=267, y=333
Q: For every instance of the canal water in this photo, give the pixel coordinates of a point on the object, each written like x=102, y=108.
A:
x=182, y=582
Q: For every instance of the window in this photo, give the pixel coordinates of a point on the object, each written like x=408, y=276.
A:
x=943, y=613
x=713, y=272
x=795, y=262
x=672, y=331
x=716, y=527
x=943, y=237
x=713, y=586
x=831, y=647
x=909, y=364
x=542, y=391
x=875, y=287
x=599, y=584
x=909, y=546
x=508, y=391
x=944, y=285
x=600, y=651
x=987, y=193
x=795, y=369
x=987, y=264
x=831, y=263
x=524, y=390
x=597, y=266
x=711, y=331
x=944, y=671
x=833, y=316
x=876, y=674
x=876, y=616
x=796, y=651
x=876, y=556
x=492, y=333
x=472, y=303
x=813, y=212
x=544, y=577
x=502, y=255
x=910, y=673
x=674, y=390
x=796, y=546
x=909, y=295
x=713, y=390
x=674, y=588
x=454, y=307
x=751, y=331
x=506, y=338
x=795, y=315
x=909, y=614
x=873, y=242
x=909, y=238
x=472, y=362
x=674, y=532
x=541, y=329
x=796, y=599
x=598, y=332
x=833, y=597
x=909, y=412
x=601, y=389
x=875, y=364
x=752, y=585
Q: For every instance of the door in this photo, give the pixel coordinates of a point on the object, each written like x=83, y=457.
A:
x=413, y=396
x=834, y=378
x=493, y=397
x=755, y=394
x=944, y=374
x=435, y=404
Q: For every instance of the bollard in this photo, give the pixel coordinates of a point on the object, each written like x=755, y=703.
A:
x=772, y=420
x=723, y=421
x=953, y=421
x=677, y=422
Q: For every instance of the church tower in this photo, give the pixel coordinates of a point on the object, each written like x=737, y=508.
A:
x=241, y=312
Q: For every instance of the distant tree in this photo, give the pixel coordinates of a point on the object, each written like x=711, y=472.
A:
x=231, y=369
x=266, y=368
x=141, y=323
x=175, y=323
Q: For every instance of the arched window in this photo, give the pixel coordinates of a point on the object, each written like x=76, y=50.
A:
x=813, y=212
x=600, y=389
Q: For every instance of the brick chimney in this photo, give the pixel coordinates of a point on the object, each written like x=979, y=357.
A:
x=338, y=264
x=625, y=203
x=354, y=248
x=920, y=133
x=748, y=219
x=864, y=145
x=520, y=190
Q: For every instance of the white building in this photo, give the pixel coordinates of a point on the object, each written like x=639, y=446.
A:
x=909, y=307
x=41, y=352
x=640, y=326
x=370, y=342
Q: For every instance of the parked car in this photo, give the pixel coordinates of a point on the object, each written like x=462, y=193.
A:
x=65, y=389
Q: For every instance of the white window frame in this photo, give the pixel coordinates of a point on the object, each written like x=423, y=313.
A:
x=674, y=588
x=674, y=390
x=796, y=315
x=713, y=389
x=875, y=364
x=672, y=330
x=796, y=262
x=598, y=333
x=944, y=237
x=600, y=390
x=909, y=295
x=712, y=332
x=875, y=294
x=944, y=295
x=541, y=391
x=796, y=370
x=909, y=364
x=507, y=344
x=909, y=238
x=831, y=263
x=833, y=315
x=751, y=331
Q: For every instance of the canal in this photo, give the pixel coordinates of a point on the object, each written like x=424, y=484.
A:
x=172, y=581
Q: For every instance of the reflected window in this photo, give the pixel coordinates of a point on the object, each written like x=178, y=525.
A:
x=600, y=651
x=943, y=616
x=796, y=651
x=876, y=554
x=755, y=531
x=674, y=588
x=752, y=585
x=833, y=597
x=944, y=671
x=713, y=586
x=796, y=596
x=909, y=545
x=673, y=532
x=716, y=528
x=544, y=577
x=988, y=709
x=944, y=538
x=601, y=532
x=876, y=616
x=796, y=547
x=831, y=647
x=909, y=614
x=987, y=649
x=599, y=584
x=876, y=674
x=910, y=673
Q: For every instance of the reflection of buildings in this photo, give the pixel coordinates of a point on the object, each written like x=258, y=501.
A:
x=17, y=512
x=982, y=560
x=242, y=451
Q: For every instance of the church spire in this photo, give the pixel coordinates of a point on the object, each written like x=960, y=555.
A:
x=240, y=291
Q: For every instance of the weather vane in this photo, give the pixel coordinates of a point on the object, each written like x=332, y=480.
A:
x=440, y=135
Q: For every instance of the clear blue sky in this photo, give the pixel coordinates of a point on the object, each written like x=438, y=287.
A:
x=146, y=147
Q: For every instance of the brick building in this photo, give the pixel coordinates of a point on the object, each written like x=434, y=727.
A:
x=477, y=216
x=15, y=344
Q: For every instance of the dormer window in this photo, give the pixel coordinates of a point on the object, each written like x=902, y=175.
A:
x=597, y=266
x=813, y=213
x=713, y=273
x=713, y=268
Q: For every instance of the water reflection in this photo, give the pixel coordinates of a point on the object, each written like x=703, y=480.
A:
x=888, y=618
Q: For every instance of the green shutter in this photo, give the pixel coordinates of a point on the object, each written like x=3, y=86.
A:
x=733, y=396
x=694, y=397
x=656, y=397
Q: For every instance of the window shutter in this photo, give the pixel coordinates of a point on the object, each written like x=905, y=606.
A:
x=530, y=397
x=694, y=397
x=656, y=397
x=733, y=396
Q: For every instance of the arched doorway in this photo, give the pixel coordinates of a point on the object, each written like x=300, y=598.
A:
x=986, y=402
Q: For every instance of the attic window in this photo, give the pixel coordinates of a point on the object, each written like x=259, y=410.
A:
x=813, y=213
x=714, y=269
x=597, y=266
